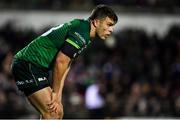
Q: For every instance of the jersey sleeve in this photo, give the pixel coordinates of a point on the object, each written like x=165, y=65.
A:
x=80, y=34
x=76, y=40
x=71, y=48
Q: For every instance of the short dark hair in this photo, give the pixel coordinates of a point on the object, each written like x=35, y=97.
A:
x=102, y=11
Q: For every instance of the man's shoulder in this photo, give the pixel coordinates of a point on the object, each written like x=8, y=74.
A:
x=81, y=32
x=78, y=23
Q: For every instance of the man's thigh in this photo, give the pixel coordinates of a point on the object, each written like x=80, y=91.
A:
x=40, y=99
x=28, y=77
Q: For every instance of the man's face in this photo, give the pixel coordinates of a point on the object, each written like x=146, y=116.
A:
x=104, y=27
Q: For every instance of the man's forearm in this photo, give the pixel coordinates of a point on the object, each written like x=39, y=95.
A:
x=58, y=76
x=62, y=82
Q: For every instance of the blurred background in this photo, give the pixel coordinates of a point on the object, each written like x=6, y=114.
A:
x=134, y=74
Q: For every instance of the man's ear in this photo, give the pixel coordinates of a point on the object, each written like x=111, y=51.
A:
x=95, y=22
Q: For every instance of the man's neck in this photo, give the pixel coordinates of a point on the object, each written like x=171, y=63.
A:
x=92, y=31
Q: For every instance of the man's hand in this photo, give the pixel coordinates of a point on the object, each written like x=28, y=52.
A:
x=55, y=104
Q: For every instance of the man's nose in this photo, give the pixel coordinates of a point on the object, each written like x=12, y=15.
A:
x=111, y=29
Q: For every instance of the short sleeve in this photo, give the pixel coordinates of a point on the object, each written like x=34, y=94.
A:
x=71, y=48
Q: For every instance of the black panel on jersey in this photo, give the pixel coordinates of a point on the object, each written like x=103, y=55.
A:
x=69, y=50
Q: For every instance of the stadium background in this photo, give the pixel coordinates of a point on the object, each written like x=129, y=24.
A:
x=135, y=74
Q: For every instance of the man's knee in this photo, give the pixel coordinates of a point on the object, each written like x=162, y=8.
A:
x=53, y=115
x=59, y=113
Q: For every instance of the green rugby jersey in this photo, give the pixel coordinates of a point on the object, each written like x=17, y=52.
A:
x=43, y=50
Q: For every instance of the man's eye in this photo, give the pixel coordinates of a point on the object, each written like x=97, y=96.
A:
x=110, y=24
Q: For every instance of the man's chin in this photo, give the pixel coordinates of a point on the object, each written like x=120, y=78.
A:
x=103, y=38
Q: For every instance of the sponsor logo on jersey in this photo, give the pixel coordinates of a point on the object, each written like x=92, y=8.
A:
x=81, y=37
x=75, y=54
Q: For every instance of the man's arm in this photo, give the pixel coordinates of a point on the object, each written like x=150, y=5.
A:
x=61, y=67
x=60, y=70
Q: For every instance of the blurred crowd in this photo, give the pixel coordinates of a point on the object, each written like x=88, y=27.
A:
x=137, y=76
x=153, y=5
